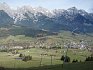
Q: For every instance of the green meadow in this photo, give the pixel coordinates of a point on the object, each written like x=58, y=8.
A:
x=9, y=60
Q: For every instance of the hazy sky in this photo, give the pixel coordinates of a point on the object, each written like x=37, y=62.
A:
x=52, y=4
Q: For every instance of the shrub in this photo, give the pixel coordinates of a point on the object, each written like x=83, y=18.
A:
x=27, y=58
x=65, y=58
x=90, y=58
x=62, y=58
x=74, y=61
x=21, y=55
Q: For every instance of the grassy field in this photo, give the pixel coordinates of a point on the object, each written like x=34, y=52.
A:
x=67, y=66
x=8, y=60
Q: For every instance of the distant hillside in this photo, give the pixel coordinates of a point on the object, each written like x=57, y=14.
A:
x=24, y=31
x=5, y=19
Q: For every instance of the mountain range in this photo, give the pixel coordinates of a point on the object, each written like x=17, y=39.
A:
x=71, y=19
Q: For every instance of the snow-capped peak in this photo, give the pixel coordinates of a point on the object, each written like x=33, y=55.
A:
x=72, y=10
x=44, y=11
x=7, y=9
x=82, y=12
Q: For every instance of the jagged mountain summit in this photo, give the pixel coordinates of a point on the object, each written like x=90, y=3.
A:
x=40, y=18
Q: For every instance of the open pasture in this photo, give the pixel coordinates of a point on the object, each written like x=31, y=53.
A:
x=9, y=60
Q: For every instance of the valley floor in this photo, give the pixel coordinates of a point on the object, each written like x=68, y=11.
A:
x=10, y=62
